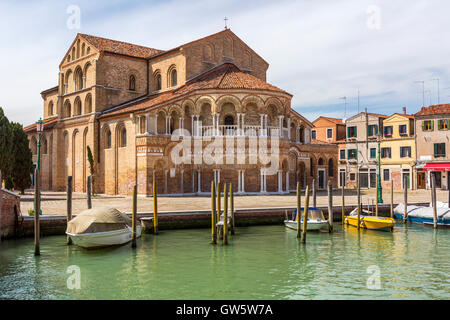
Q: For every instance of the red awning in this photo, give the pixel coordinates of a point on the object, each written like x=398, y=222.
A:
x=442, y=166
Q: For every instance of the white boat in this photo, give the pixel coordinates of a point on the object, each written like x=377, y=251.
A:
x=316, y=221
x=424, y=215
x=96, y=228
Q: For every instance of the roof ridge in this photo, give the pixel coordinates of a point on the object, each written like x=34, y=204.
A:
x=120, y=41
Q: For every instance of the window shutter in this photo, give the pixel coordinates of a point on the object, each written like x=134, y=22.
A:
x=423, y=125
x=356, y=132
x=432, y=125
x=435, y=149
x=348, y=132
x=443, y=149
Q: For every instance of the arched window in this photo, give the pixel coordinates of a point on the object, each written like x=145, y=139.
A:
x=83, y=49
x=44, y=145
x=33, y=145
x=158, y=81
x=330, y=168
x=174, y=78
x=229, y=120
x=88, y=50
x=142, y=124
x=50, y=108
x=132, y=83
x=320, y=162
x=88, y=104
x=123, y=138
x=68, y=58
x=107, y=139
x=67, y=109
x=78, y=79
x=77, y=110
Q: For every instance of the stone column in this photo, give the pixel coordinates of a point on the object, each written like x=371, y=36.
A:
x=165, y=181
x=289, y=128
x=243, y=181
x=280, y=125
x=287, y=181
x=147, y=123
x=280, y=181
x=261, y=189
x=182, y=181
x=192, y=126
x=197, y=126
x=156, y=124
x=199, y=181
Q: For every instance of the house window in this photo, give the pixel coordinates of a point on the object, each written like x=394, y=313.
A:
x=352, y=154
x=405, y=152
x=443, y=124
x=388, y=131
x=342, y=154
x=386, y=175
x=427, y=125
x=313, y=134
x=402, y=130
x=372, y=130
x=373, y=153
x=352, y=176
x=329, y=133
x=385, y=152
x=132, y=84
x=439, y=150
x=351, y=132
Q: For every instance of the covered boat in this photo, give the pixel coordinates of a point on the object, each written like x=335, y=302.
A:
x=316, y=220
x=366, y=221
x=101, y=227
x=424, y=215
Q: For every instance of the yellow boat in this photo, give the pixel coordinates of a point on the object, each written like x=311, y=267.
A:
x=370, y=222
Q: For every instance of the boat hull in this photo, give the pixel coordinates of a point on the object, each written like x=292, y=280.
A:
x=310, y=226
x=104, y=239
x=441, y=223
x=371, y=223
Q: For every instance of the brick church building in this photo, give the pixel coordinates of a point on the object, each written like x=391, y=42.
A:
x=132, y=105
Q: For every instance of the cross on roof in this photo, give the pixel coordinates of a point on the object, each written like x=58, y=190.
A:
x=226, y=19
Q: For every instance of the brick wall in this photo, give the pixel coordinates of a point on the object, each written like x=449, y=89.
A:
x=9, y=213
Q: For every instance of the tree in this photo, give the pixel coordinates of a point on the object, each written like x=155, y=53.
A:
x=6, y=158
x=22, y=165
x=91, y=167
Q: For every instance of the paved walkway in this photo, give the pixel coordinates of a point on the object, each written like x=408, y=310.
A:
x=54, y=203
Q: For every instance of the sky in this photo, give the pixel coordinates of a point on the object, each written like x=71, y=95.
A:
x=319, y=51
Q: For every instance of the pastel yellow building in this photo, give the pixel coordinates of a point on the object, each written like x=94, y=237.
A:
x=397, y=151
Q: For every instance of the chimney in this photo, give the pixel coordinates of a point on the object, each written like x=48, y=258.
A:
x=404, y=110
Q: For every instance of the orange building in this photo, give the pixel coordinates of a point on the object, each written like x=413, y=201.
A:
x=328, y=129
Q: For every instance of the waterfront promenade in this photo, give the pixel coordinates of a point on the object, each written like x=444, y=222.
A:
x=54, y=203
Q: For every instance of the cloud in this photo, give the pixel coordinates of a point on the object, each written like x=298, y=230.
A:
x=318, y=50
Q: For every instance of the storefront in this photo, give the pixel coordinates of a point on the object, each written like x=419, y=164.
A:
x=439, y=170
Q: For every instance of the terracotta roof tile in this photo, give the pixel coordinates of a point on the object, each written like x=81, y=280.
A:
x=334, y=120
x=434, y=109
x=48, y=124
x=224, y=76
x=129, y=49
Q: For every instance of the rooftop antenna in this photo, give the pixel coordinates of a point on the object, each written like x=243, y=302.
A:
x=226, y=19
x=423, y=91
x=358, y=100
x=438, y=98
x=345, y=106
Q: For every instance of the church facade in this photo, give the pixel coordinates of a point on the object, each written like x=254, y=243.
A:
x=183, y=117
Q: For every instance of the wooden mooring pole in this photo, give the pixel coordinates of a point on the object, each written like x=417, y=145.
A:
x=305, y=217
x=358, y=196
x=213, y=214
x=376, y=202
x=89, y=193
x=37, y=229
x=219, y=210
x=69, y=204
x=330, y=206
x=433, y=199
x=225, y=214
x=314, y=193
x=392, y=198
x=405, y=198
x=343, y=204
x=134, y=218
x=155, y=209
x=232, y=209
x=299, y=211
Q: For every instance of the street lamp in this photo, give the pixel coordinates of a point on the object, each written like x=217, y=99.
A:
x=379, y=189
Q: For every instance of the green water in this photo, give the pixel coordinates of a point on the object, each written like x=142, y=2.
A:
x=265, y=262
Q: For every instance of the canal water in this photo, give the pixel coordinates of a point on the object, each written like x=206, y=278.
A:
x=261, y=262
